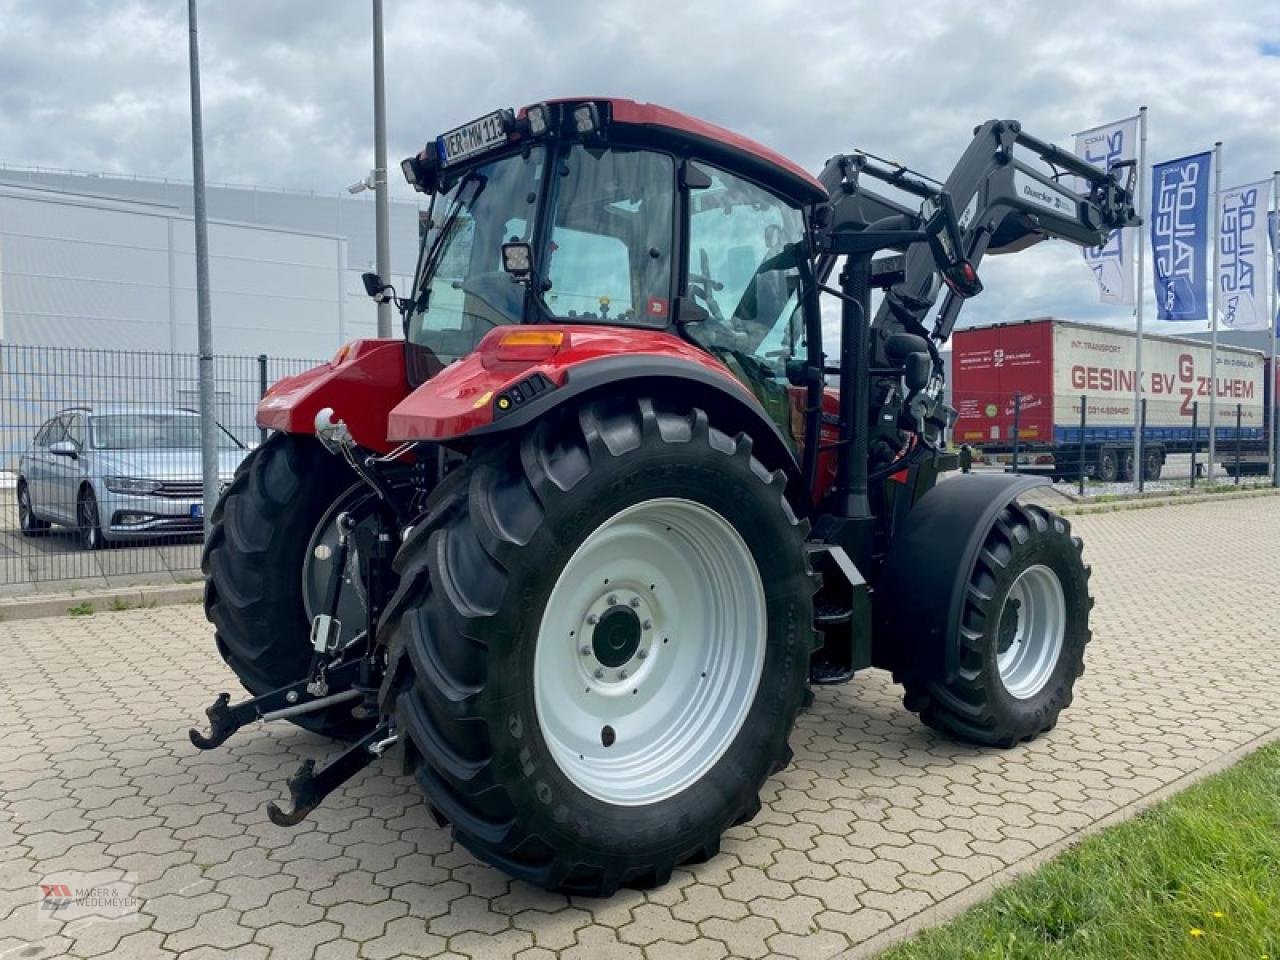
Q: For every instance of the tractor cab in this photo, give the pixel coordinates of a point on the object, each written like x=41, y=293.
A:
x=614, y=213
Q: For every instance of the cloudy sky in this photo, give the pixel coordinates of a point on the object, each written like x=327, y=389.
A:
x=102, y=86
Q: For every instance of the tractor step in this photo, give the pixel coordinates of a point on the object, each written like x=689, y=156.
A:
x=288, y=701
x=309, y=786
x=827, y=614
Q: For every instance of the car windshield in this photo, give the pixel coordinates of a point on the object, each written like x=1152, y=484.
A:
x=142, y=431
x=462, y=290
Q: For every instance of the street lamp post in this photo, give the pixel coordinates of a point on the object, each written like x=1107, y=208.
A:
x=381, y=211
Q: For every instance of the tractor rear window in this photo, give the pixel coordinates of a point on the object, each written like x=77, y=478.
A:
x=612, y=237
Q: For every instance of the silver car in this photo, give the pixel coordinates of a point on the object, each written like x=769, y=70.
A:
x=118, y=472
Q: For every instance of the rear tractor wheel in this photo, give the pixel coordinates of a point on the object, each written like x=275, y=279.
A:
x=266, y=568
x=1023, y=631
x=599, y=645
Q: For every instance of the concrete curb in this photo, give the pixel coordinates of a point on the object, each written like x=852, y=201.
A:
x=953, y=906
x=1080, y=508
x=99, y=601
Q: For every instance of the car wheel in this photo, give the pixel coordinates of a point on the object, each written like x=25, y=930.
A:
x=88, y=525
x=32, y=526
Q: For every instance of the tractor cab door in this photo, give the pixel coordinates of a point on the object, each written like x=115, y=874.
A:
x=744, y=271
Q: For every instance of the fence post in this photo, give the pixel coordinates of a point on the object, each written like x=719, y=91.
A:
x=1142, y=446
x=1195, y=438
x=1239, y=407
x=1084, y=406
x=1017, y=413
x=261, y=391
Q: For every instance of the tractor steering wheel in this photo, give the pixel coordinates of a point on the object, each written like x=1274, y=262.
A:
x=707, y=285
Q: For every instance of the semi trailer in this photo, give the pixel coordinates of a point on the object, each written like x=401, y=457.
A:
x=1061, y=396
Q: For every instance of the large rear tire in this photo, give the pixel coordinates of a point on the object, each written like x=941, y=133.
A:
x=1022, y=635
x=253, y=564
x=600, y=644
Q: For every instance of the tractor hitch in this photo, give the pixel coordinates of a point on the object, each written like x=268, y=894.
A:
x=309, y=786
x=288, y=701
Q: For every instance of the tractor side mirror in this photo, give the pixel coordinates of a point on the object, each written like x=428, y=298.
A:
x=64, y=448
x=376, y=288
x=917, y=371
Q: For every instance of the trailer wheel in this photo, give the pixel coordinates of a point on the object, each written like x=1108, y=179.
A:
x=1108, y=470
x=254, y=561
x=1023, y=631
x=600, y=643
x=1152, y=464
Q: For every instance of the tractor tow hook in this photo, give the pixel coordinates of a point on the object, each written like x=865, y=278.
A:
x=297, y=698
x=309, y=786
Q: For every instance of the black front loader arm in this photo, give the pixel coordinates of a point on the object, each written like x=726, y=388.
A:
x=1002, y=203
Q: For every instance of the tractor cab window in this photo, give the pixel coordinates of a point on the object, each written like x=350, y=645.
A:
x=462, y=290
x=744, y=250
x=609, y=255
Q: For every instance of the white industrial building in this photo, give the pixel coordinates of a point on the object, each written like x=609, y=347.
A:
x=99, y=261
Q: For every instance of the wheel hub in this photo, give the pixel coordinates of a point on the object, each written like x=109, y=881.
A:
x=616, y=636
x=617, y=630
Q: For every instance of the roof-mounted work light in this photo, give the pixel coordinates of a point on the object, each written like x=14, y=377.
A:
x=586, y=118
x=538, y=118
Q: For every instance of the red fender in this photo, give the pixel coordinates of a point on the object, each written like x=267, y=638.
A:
x=515, y=365
x=364, y=380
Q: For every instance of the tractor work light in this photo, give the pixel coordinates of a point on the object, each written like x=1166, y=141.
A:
x=586, y=118
x=419, y=172
x=538, y=117
x=517, y=259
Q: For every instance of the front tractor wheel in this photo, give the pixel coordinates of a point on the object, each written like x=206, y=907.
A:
x=265, y=569
x=599, y=645
x=1023, y=631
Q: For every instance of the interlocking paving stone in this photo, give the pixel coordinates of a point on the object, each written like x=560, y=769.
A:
x=877, y=823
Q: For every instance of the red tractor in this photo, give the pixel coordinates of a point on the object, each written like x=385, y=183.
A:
x=575, y=548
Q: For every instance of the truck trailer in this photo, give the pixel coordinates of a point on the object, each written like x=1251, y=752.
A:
x=1020, y=390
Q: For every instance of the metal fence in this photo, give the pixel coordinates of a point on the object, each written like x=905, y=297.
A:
x=100, y=469
x=1088, y=441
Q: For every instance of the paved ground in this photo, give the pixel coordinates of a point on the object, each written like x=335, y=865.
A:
x=876, y=826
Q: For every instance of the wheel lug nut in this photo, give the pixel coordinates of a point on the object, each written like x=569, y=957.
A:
x=641, y=654
x=622, y=674
x=648, y=625
x=599, y=674
x=613, y=601
x=585, y=650
x=635, y=602
x=592, y=620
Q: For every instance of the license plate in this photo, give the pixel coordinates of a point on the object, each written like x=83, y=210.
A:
x=197, y=511
x=472, y=138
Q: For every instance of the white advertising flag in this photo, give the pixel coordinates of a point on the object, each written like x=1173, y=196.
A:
x=1112, y=263
x=1243, y=270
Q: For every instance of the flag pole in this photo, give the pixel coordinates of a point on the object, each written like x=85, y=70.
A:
x=1139, y=295
x=1274, y=437
x=1213, y=309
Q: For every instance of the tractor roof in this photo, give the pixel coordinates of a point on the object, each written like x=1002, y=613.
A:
x=714, y=142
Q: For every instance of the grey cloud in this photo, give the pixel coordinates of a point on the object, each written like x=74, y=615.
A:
x=98, y=85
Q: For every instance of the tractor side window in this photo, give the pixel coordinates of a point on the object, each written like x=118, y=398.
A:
x=469, y=292
x=609, y=259
x=744, y=245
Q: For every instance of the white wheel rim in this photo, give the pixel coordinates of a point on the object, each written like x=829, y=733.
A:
x=1033, y=623
x=655, y=634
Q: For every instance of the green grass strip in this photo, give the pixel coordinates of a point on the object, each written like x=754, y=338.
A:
x=1195, y=876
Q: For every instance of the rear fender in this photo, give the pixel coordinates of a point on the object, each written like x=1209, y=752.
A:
x=361, y=383
x=480, y=397
x=919, y=591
